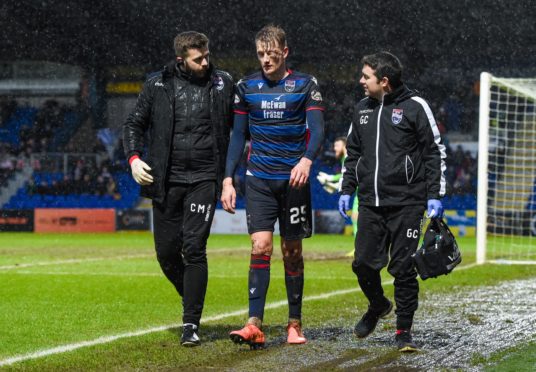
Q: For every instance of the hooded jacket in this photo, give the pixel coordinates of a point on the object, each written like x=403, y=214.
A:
x=154, y=115
x=395, y=152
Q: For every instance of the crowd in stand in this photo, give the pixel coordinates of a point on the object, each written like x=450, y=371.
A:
x=32, y=140
x=85, y=177
x=47, y=120
x=461, y=171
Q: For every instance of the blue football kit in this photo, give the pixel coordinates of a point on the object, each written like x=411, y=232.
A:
x=278, y=125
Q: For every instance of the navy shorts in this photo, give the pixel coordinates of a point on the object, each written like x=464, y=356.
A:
x=270, y=200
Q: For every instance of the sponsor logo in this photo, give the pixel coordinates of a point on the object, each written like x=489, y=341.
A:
x=271, y=114
x=74, y=220
x=270, y=108
x=68, y=220
x=14, y=220
x=260, y=85
x=252, y=290
x=236, y=99
x=290, y=85
x=397, y=116
x=273, y=105
x=279, y=97
x=158, y=84
x=366, y=111
x=316, y=95
x=314, y=80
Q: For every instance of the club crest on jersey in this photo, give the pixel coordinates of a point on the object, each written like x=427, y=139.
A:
x=236, y=99
x=397, y=116
x=218, y=83
x=260, y=85
x=290, y=85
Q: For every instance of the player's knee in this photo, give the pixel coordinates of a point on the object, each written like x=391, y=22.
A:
x=261, y=246
x=293, y=264
x=291, y=249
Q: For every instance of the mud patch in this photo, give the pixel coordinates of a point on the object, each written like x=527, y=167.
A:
x=456, y=331
x=461, y=329
x=458, y=328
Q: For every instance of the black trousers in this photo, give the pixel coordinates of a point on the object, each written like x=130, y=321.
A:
x=389, y=236
x=181, y=229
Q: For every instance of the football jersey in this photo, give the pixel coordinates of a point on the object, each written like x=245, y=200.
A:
x=277, y=120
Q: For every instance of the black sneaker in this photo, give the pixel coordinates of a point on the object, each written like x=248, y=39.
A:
x=189, y=336
x=368, y=322
x=404, y=341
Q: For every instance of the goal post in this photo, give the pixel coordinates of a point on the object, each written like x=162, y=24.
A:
x=506, y=197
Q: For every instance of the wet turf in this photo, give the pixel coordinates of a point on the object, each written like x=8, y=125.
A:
x=460, y=324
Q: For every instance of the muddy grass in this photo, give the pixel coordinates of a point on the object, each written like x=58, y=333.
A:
x=456, y=331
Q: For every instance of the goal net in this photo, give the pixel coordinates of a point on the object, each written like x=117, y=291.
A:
x=506, y=209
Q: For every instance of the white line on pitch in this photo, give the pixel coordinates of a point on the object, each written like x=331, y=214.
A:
x=142, y=274
x=108, y=339
x=74, y=261
x=93, y=259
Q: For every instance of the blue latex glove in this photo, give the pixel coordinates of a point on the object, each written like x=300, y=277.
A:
x=344, y=205
x=435, y=209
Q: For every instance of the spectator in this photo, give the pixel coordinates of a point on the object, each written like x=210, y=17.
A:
x=42, y=188
x=101, y=187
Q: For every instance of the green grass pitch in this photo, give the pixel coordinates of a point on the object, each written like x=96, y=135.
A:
x=59, y=290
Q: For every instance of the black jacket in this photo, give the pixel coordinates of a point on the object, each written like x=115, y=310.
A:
x=395, y=152
x=192, y=155
x=154, y=116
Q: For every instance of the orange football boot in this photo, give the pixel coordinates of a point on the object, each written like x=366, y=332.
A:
x=250, y=335
x=295, y=334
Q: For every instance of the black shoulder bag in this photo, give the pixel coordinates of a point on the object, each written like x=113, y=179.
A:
x=439, y=253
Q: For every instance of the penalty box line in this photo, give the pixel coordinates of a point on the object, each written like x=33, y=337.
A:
x=107, y=339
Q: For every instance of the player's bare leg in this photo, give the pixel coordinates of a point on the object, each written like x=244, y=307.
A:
x=259, y=279
x=293, y=262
